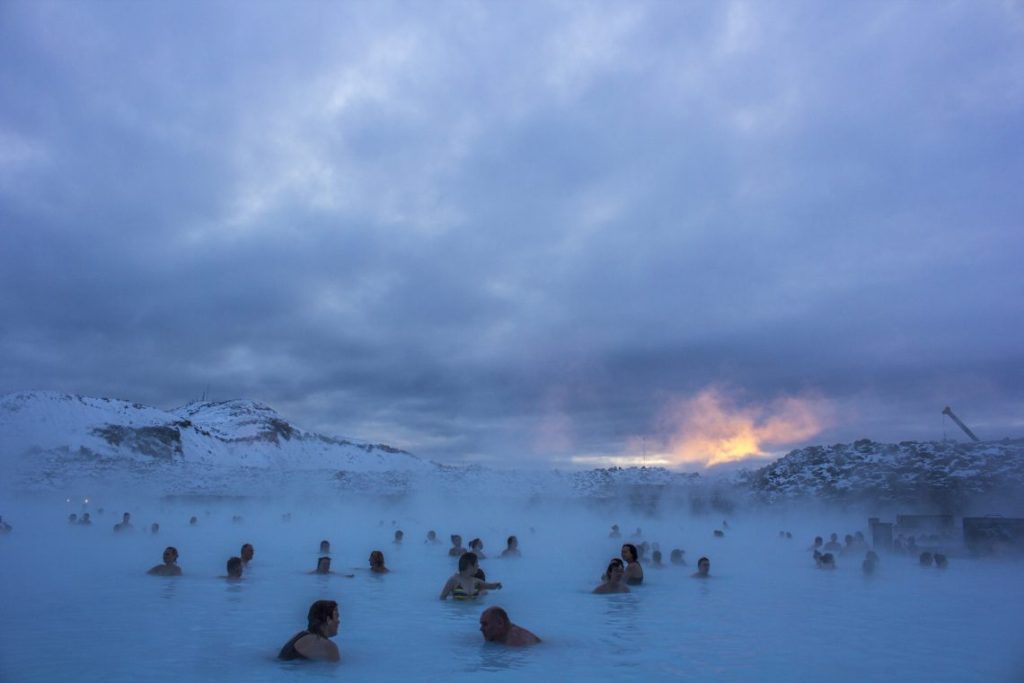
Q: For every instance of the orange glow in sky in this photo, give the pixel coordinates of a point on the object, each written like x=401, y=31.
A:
x=712, y=429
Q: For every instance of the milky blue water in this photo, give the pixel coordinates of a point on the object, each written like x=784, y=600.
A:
x=77, y=604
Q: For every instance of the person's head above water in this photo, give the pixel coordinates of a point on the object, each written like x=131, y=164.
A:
x=431, y=535
x=476, y=544
x=496, y=627
x=656, y=557
x=456, y=540
x=703, y=567
x=322, y=618
x=170, y=555
x=72, y=518
x=468, y=562
x=676, y=556
x=377, y=562
x=325, y=546
x=127, y=517
x=323, y=565
x=247, y=552
x=399, y=536
x=193, y=520
x=629, y=552
x=235, y=568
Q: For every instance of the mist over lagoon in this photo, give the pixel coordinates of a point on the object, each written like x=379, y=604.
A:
x=766, y=614
x=740, y=274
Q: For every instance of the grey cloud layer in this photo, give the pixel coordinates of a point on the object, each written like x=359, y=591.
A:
x=469, y=229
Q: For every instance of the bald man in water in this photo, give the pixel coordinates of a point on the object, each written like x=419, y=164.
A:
x=498, y=628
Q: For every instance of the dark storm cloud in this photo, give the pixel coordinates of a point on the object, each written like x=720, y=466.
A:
x=517, y=232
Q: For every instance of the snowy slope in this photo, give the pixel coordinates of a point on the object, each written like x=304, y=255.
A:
x=942, y=472
x=57, y=442
x=54, y=441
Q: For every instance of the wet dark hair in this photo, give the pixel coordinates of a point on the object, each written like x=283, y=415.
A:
x=319, y=612
x=322, y=560
x=376, y=555
x=466, y=560
x=234, y=565
x=632, y=549
x=703, y=559
x=172, y=549
x=475, y=542
x=456, y=537
x=325, y=544
x=246, y=545
x=611, y=565
x=510, y=539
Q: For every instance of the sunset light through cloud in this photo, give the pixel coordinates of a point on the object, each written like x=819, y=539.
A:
x=713, y=428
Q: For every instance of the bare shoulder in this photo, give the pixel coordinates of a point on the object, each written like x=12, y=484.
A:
x=315, y=647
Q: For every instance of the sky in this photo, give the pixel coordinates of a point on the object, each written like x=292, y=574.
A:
x=523, y=234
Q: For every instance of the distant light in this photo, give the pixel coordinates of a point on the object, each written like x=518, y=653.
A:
x=86, y=501
x=68, y=500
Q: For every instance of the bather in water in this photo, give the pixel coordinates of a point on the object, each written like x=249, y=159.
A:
x=170, y=566
x=703, y=569
x=464, y=585
x=496, y=627
x=377, y=563
x=314, y=642
x=634, y=572
x=613, y=579
x=513, y=548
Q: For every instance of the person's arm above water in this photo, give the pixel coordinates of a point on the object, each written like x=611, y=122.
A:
x=317, y=647
x=489, y=586
x=448, y=586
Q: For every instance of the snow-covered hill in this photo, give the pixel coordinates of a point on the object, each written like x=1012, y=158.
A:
x=52, y=441
x=75, y=444
x=943, y=472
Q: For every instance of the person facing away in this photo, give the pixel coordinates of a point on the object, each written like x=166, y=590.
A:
x=234, y=568
x=656, y=559
x=456, y=550
x=170, y=566
x=634, y=572
x=247, y=553
x=399, y=536
x=703, y=569
x=496, y=627
x=314, y=642
x=464, y=585
x=676, y=556
x=615, y=533
x=513, y=548
x=85, y=519
x=72, y=518
x=612, y=581
x=377, y=563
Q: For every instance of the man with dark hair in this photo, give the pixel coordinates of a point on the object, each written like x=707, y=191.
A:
x=170, y=566
x=246, y=553
x=313, y=643
x=125, y=524
x=496, y=627
x=703, y=569
x=234, y=568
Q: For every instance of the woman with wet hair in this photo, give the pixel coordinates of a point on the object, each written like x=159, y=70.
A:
x=464, y=585
x=313, y=643
x=477, y=546
x=612, y=581
x=634, y=572
x=377, y=563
